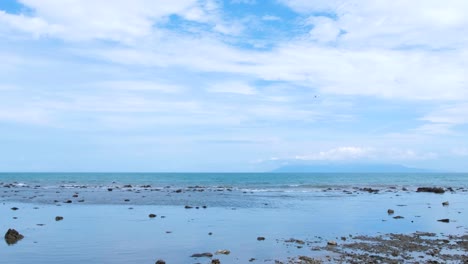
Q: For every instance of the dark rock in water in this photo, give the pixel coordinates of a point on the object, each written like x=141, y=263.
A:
x=127, y=186
x=152, y=215
x=445, y=203
x=127, y=200
x=390, y=211
x=188, y=207
x=58, y=218
x=204, y=207
x=308, y=260
x=75, y=196
x=160, y=262
x=210, y=233
x=252, y=259
x=68, y=201
x=14, y=208
x=450, y=189
x=404, y=189
x=178, y=191
x=369, y=190
x=202, y=255
x=260, y=238
x=332, y=243
x=80, y=201
x=215, y=261
x=398, y=217
x=109, y=189
x=445, y=220
x=431, y=189
x=12, y=236
x=293, y=240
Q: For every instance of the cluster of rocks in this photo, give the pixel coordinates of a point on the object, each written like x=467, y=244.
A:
x=12, y=236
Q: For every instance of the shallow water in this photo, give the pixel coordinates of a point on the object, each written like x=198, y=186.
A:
x=102, y=228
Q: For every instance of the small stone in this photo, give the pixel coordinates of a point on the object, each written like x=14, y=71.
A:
x=75, y=195
x=332, y=243
x=109, y=189
x=445, y=203
x=251, y=259
x=152, y=215
x=160, y=262
x=210, y=233
x=398, y=217
x=215, y=261
x=445, y=220
x=390, y=211
x=14, y=208
x=188, y=207
x=58, y=218
x=127, y=200
x=260, y=238
x=223, y=251
x=68, y=201
x=12, y=236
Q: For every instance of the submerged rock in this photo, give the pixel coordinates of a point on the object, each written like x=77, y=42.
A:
x=160, y=262
x=390, y=211
x=431, y=189
x=445, y=220
x=152, y=215
x=398, y=217
x=445, y=203
x=12, y=236
x=202, y=255
x=58, y=218
x=14, y=208
x=260, y=238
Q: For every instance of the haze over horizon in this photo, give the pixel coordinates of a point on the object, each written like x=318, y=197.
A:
x=233, y=85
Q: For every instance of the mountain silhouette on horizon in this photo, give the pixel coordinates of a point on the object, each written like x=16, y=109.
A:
x=349, y=168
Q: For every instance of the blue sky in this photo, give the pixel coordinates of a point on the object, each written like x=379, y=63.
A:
x=233, y=85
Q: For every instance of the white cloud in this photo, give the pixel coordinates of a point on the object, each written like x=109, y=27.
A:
x=353, y=153
x=270, y=18
x=234, y=87
x=445, y=119
x=324, y=29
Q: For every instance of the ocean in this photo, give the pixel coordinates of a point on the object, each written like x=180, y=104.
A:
x=106, y=214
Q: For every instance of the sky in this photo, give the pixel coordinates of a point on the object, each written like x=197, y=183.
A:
x=233, y=85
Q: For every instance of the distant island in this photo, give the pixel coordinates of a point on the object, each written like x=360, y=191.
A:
x=349, y=168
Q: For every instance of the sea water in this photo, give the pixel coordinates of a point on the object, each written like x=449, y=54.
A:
x=107, y=221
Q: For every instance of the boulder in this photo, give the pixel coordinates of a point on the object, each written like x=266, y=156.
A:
x=445, y=203
x=390, y=211
x=12, y=236
x=445, y=220
x=159, y=261
x=215, y=261
x=58, y=218
x=260, y=238
x=152, y=215
x=332, y=243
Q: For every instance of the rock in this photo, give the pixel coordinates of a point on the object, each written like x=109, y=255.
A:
x=398, y=217
x=127, y=200
x=215, y=261
x=390, y=211
x=369, y=190
x=188, y=207
x=297, y=241
x=68, y=201
x=445, y=220
x=75, y=196
x=252, y=259
x=109, y=189
x=202, y=255
x=152, y=215
x=178, y=191
x=431, y=189
x=127, y=186
x=445, y=203
x=260, y=238
x=210, y=233
x=160, y=262
x=58, y=218
x=14, y=208
x=332, y=243
x=308, y=260
x=223, y=251
x=12, y=236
